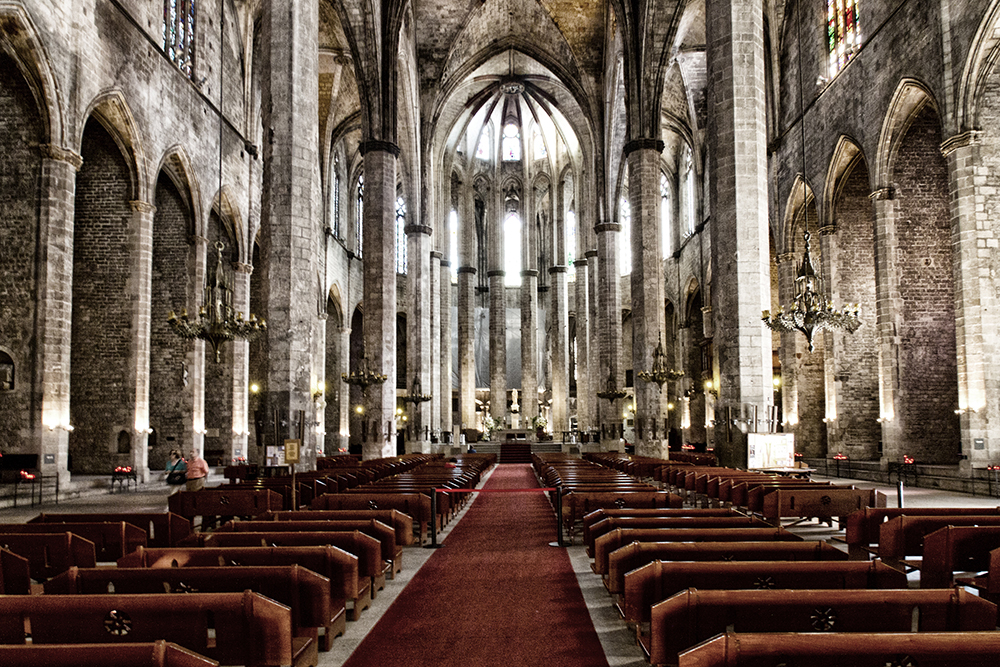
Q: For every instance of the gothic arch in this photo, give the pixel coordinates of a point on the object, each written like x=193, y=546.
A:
x=910, y=98
x=845, y=156
x=230, y=217
x=984, y=54
x=799, y=199
x=113, y=112
x=19, y=38
x=177, y=166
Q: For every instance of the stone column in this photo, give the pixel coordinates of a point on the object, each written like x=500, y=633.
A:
x=529, y=344
x=418, y=348
x=196, y=358
x=609, y=336
x=291, y=205
x=445, y=384
x=55, y=310
x=241, y=365
x=344, y=439
x=737, y=134
x=559, y=328
x=142, y=274
x=597, y=365
x=974, y=239
x=643, y=156
x=888, y=306
x=436, y=358
x=498, y=347
x=584, y=397
x=466, y=351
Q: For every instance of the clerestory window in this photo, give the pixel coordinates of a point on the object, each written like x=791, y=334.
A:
x=843, y=32
x=178, y=33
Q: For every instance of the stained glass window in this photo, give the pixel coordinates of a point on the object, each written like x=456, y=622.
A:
x=511, y=143
x=400, y=235
x=843, y=34
x=689, y=217
x=178, y=33
x=625, y=238
x=512, y=250
x=335, y=196
x=666, y=215
x=359, y=230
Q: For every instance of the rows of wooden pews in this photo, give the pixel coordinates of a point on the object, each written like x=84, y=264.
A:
x=271, y=587
x=726, y=579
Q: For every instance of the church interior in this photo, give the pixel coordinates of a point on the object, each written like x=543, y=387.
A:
x=412, y=226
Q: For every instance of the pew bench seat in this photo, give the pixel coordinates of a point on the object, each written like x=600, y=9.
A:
x=151, y=654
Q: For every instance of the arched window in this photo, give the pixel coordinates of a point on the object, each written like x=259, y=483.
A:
x=538, y=143
x=511, y=143
x=453, y=244
x=483, y=148
x=178, y=33
x=843, y=35
x=689, y=208
x=571, y=243
x=625, y=237
x=400, y=235
x=335, y=196
x=359, y=224
x=512, y=250
x=666, y=216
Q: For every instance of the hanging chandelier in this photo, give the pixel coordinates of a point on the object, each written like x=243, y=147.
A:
x=217, y=321
x=811, y=312
x=415, y=396
x=363, y=377
x=660, y=373
x=612, y=393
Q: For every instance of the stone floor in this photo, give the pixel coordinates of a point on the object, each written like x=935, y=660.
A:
x=618, y=641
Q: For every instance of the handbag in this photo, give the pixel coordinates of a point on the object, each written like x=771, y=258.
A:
x=176, y=476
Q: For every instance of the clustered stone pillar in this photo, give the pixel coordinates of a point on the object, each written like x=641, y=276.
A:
x=597, y=364
x=379, y=260
x=344, y=388
x=559, y=343
x=241, y=365
x=737, y=134
x=444, y=386
x=529, y=344
x=498, y=347
x=643, y=156
x=58, y=187
x=609, y=325
x=142, y=271
x=584, y=395
x=419, y=335
x=435, y=345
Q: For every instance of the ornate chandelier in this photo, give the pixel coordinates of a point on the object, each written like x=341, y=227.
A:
x=415, y=396
x=217, y=321
x=363, y=378
x=811, y=312
x=660, y=372
x=612, y=393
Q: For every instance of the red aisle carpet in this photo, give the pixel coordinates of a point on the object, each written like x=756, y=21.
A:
x=495, y=594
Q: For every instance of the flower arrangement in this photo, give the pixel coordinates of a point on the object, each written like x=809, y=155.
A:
x=489, y=425
x=539, y=422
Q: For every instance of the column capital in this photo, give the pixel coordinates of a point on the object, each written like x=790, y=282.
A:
x=436, y=255
x=590, y=253
x=786, y=257
x=883, y=194
x=607, y=227
x=240, y=267
x=529, y=273
x=645, y=143
x=142, y=206
x=496, y=273
x=581, y=261
x=465, y=269
x=445, y=263
x=960, y=140
x=417, y=229
x=557, y=269
x=378, y=145
x=54, y=152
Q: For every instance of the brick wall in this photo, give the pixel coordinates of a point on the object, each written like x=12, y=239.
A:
x=20, y=132
x=102, y=399
x=170, y=402
x=927, y=373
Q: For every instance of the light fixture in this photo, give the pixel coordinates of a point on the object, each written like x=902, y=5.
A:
x=612, y=393
x=811, y=312
x=217, y=321
x=415, y=396
x=363, y=377
x=660, y=373
x=710, y=388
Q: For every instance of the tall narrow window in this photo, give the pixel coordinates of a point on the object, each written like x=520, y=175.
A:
x=689, y=208
x=335, y=196
x=453, y=244
x=483, y=149
x=843, y=35
x=571, y=243
x=400, y=235
x=512, y=250
x=178, y=33
x=511, y=143
x=359, y=224
x=625, y=237
x=538, y=143
x=666, y=216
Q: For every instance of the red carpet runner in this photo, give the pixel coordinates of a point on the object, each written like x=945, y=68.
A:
x=495, y=594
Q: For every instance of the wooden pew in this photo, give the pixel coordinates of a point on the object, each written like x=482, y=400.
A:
x=822, y=503
x=249, y=629
x=988, y=585
x=392, y=552
x=678, y=522
x=112, y=540
x=49, y=554
x=303, y=591
x=659, y=580
x=340, y=567
x=694, y=616
x=607, y=512
x=836, y=649
x=212, y=504
x=416, y=505
x=862, y=527
x=365, y=548
x=751, y=497
x=619, y=537
x=956, y=549
x=15, y=574
x=577, y=504
x=153, y=654
x=164, y=529
x=636, y=554
x=401, y=523
x=903, y=536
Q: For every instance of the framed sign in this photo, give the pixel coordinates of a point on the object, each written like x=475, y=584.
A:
x=292, y=451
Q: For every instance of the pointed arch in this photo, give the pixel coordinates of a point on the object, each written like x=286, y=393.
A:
x=112, y=111
x=799, y=199
x=910, y=98
x=176, y=165
x=984, y=54
x=19, y=38
x=846, y=154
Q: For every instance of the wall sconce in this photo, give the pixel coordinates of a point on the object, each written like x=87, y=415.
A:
x=319, y=391
x=962, y=411
x=711, y=388
x=65, y=427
